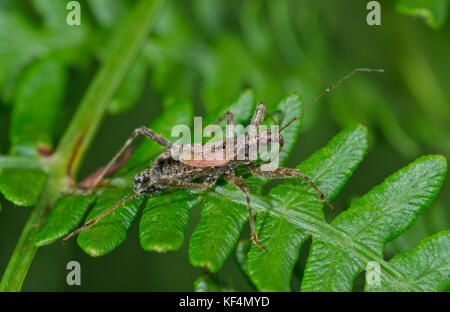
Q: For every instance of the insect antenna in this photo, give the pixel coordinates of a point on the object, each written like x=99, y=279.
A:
x=93, y=221
x=331, y=88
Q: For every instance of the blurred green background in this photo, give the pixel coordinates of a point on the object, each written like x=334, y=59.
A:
x=209, y=51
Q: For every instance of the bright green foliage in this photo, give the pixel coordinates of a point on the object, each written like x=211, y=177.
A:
x=217, y=231
x=112, y=230
x=427, y=266
x=22, y=186
x=66, y=214
x=165, y=219
x=212, y=283
x=378, y=217
x=434, y=11
x=330, y=168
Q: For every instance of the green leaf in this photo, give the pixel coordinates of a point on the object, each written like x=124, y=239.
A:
x=375, y=219
x=112, y=230
x=427, y=266
x=433, y=11
x=66, y=214
x=37, y=106
x=217, y=231
x=329, y=168
x=53, y=13
x=131, y=88
x=107, y=12
x=165, y=219
x=22, y=186
x=212, y=283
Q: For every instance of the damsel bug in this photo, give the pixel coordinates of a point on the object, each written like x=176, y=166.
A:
x=168, y=171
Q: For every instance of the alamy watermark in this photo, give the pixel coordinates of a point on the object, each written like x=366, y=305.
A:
x=373, y=273
x=74, y=15
x=374, y=16
x=73, y=278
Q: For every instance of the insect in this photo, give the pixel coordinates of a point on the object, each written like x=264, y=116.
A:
x=168, y=172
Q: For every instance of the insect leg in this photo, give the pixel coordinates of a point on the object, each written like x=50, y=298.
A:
x=159, y=182
x=95, y=220
x=229, y=116
x=240, y=184
x=258, y=115
x=143, y=131
x=282, y=173
x=174, y=183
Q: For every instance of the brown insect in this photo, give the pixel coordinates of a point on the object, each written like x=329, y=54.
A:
x=168, y=172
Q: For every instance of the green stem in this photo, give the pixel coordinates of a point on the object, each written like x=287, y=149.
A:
x=126, y=44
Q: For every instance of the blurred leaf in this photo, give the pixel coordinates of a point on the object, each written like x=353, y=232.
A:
x=22, y=162
x=112, y=230
x=127, y=95
x=30, y=43
x=53, y=13
x=212, y=283
x=22, y=186
x=66, y=214
x=37, y=107
x=242, y=107
x=427, y=266
x=378, y=217
x=14, y=51
x=210, y=14
x=241, y=256
x=329, y=168
x=434, y=11
x=107, y=12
